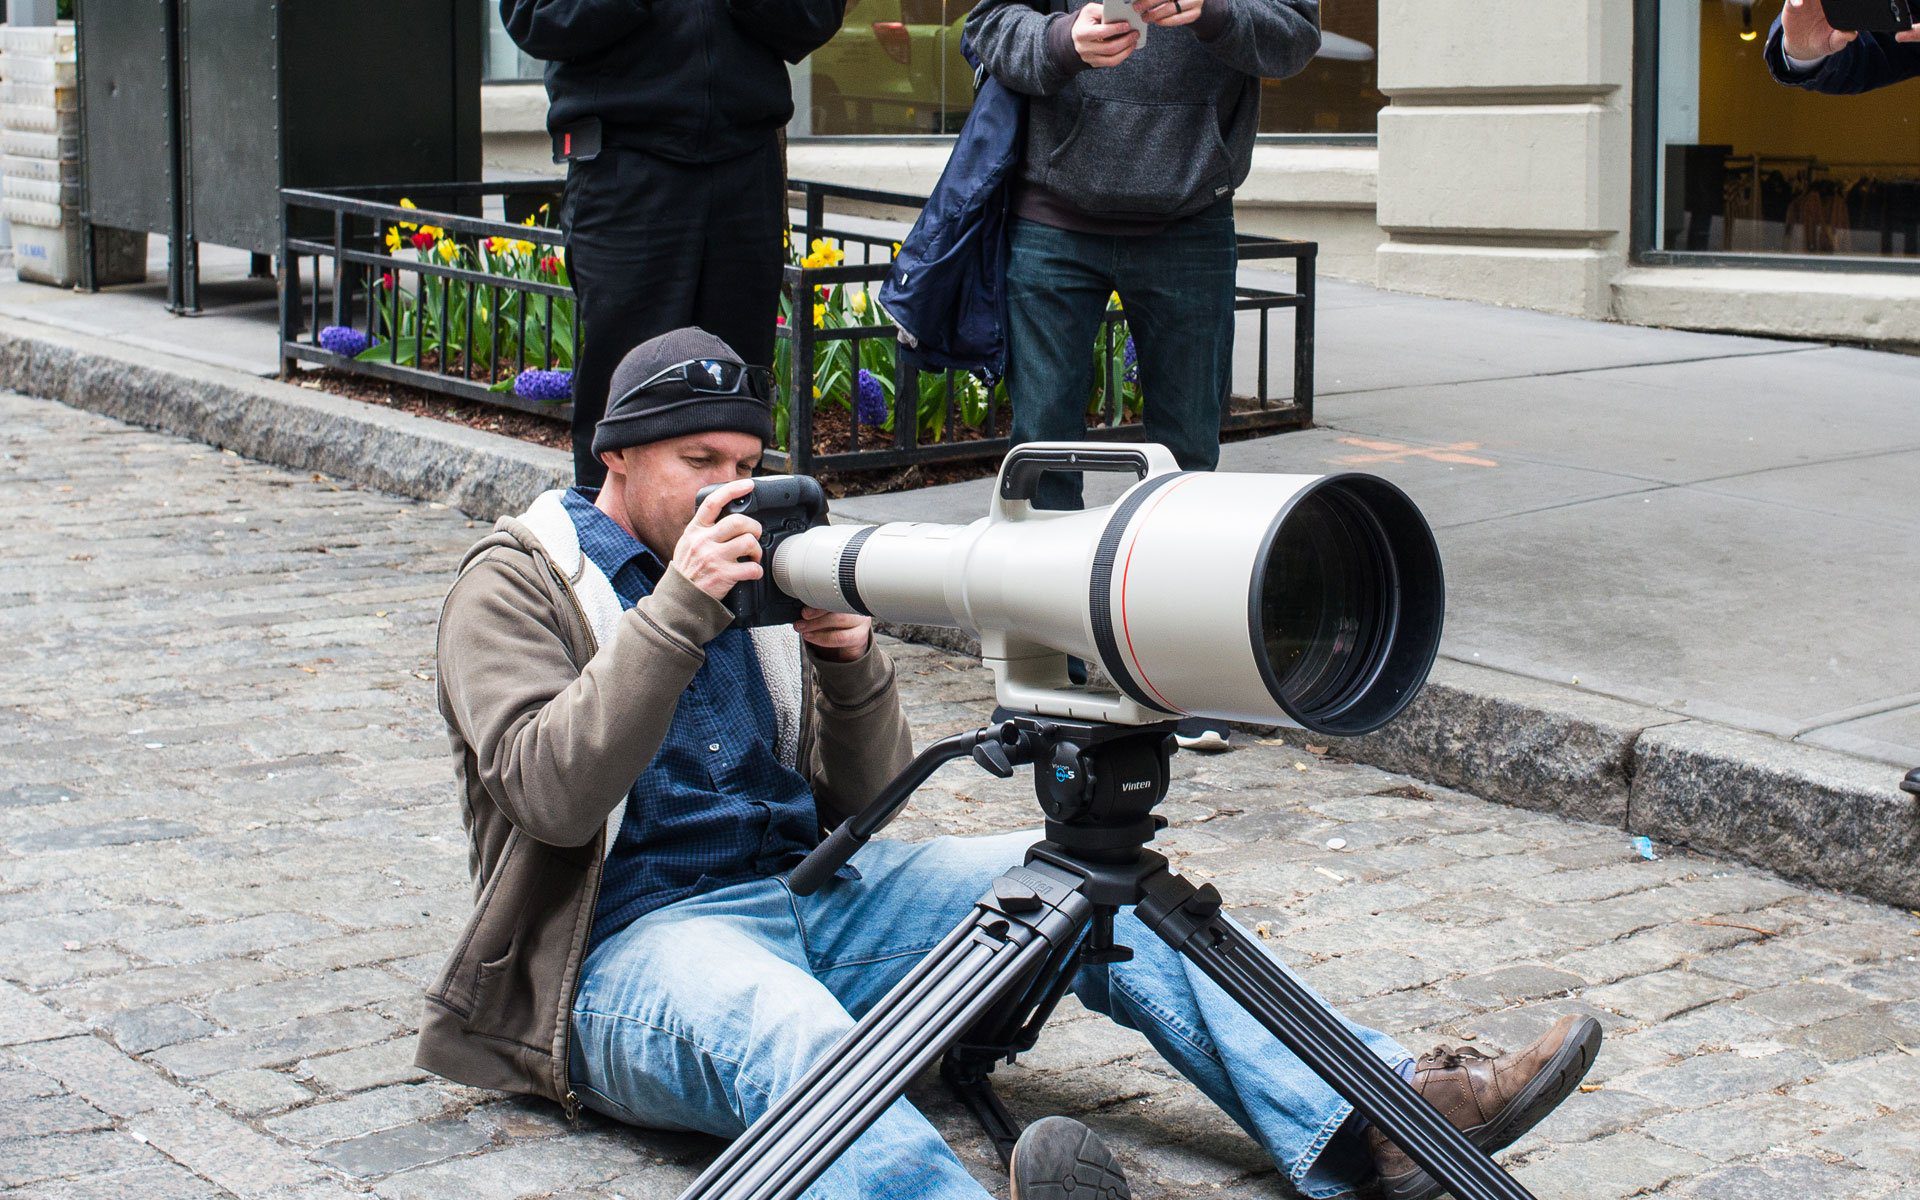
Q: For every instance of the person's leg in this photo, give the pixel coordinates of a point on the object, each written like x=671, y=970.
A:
x=741, y=262
x=1231, y=1057
x=1057, y=288
x=1177, y=287
x=864, y=935
x=635, y=229
x=699, y=1015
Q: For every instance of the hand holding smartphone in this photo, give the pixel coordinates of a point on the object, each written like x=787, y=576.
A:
x=1870, y=16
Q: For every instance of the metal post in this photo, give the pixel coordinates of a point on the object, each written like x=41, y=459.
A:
x=177, y=267
x=1305, y=274
x=800, y=397
x=289, y=296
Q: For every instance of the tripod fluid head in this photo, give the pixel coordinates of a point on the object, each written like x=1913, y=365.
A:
x=1098, y=784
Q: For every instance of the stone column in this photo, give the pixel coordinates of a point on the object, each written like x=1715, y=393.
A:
x=1506, y=150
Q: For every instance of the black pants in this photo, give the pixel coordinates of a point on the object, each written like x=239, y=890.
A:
x=655, y=245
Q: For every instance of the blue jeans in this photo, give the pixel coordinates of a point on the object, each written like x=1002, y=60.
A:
x=698, y=1015
x=1177, y=290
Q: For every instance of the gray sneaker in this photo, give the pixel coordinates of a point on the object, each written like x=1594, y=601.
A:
x=1058, y=1158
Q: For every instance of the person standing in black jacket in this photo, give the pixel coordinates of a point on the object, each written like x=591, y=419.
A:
x=668, y=117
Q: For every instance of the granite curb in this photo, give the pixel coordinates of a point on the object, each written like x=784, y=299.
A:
x=1809, y=814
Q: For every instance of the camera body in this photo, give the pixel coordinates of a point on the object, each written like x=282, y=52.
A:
x=784, y=505
x=1870, y=16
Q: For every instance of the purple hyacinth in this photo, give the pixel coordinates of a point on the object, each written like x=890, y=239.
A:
x=1132, y=364
x=870, y=402
x=551, y=386
x=345, y=340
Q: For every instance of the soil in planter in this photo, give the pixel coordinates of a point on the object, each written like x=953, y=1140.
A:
x=528, y=427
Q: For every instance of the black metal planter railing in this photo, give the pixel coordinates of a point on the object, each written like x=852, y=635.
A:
x=463, y=304
x=454, y=293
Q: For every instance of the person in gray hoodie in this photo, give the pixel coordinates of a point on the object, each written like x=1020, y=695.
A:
x=1135, y=144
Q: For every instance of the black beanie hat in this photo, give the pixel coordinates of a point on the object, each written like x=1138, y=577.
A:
x=669, y=409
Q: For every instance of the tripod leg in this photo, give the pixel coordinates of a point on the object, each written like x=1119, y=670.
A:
x=1008, y=1029
x=1189, y=920
x=1030, y=913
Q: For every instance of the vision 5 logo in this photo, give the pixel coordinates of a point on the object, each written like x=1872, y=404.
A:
x=1064, y=775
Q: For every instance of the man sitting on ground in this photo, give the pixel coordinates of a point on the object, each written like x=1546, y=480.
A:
x=639, y=777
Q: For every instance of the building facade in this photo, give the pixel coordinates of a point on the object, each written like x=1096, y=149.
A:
x=1615, y=159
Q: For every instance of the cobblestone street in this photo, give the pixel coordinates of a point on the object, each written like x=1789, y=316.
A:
x=231, y=856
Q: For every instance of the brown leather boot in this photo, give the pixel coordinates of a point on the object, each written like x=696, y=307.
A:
x=1491, y=1100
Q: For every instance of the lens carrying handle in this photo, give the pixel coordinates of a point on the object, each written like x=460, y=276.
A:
x=1020, y=473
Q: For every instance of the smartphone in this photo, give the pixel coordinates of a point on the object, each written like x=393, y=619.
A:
x=1865, y=16
x=1115, y=11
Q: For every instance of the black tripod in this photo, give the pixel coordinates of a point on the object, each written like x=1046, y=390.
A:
x=982, y=994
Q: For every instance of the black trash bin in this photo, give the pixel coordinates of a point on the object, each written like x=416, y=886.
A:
x=195, y=113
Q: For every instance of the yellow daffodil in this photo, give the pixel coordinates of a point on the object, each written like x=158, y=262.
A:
x=816, y=391
x=447, y=249
x=433, y=231
x=523, y=247
x=860, y=303
x=827, y=254
x=393, y=237
x=819, y=314
x=532, y=220
x=407, y=226
x=896, y=247
x=406, y=203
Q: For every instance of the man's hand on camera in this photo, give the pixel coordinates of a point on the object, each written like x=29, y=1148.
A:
x=1169, y=12
x=837, y=637
x=718, y=551
x=1806, y=35
x=1100, y=44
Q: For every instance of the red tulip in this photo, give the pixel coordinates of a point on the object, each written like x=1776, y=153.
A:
x=422, y=240
x=386, y=280
x=550, y=264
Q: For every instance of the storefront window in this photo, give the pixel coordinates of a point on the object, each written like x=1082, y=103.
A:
x=896, y=68
x=1339, y=91
x=1748, y=166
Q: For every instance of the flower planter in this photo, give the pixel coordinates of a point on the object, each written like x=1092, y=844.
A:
x=415, y=287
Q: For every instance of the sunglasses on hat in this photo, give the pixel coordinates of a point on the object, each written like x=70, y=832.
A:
x=715, y=377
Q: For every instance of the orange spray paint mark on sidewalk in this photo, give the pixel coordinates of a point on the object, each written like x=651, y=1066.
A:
x=1392, y=452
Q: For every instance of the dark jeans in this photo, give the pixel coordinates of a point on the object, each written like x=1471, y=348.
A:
x=655, y=245
x=1177, y=290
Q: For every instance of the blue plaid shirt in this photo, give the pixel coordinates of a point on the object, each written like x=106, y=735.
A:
x=716, y=805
